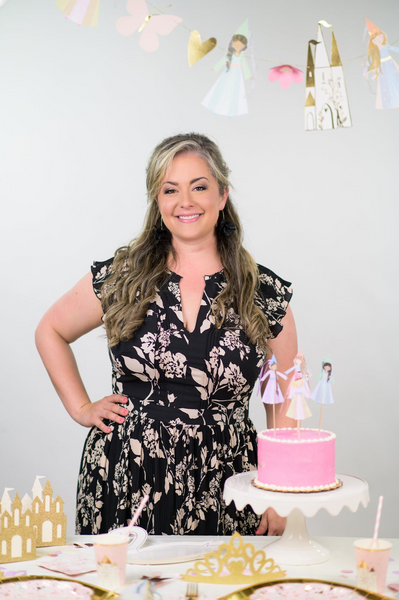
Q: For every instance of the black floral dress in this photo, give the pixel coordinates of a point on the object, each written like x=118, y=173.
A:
x=188, y=428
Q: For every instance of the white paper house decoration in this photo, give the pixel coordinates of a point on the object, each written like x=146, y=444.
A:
x=326, y=103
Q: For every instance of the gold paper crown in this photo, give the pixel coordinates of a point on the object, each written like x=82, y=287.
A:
x=234, y=563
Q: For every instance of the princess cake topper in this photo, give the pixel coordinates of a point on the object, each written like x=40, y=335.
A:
x=271, y=393
x=228, y=96
x=383, y=68
x=322, y=393
x=298, y=408
x=300, y=368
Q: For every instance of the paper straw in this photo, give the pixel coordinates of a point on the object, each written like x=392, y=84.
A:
x=137, y=513
x=377, y=522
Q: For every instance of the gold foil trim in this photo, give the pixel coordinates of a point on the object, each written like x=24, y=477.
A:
x=99, y=593
x=245, y=593
x=310, y=101
x=335, y=57
x=196, y=49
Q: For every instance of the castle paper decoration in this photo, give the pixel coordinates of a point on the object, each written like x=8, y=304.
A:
x=235, y=563
x=326, y=105
x=28, y=524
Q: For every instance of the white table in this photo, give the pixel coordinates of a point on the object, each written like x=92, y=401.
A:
x=342, y=558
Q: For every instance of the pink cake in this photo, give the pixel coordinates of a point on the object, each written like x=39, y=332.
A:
x=289, y=464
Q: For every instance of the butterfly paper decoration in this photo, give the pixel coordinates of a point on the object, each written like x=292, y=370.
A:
x=149, y=25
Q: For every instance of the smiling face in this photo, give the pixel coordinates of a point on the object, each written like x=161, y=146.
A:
x=189, y=199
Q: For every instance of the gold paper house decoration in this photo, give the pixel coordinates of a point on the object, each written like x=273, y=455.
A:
x=26, y=525
x=48, y=519
x=17, y=534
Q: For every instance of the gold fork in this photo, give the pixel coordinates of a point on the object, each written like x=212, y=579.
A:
x=192, y=591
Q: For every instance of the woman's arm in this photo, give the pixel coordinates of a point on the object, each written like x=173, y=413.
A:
x=284, y=347
x=76, y=313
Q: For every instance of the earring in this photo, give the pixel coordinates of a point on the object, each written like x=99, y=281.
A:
x=226, y=228
x=161, y=234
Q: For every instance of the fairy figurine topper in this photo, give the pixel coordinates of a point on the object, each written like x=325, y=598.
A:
x=228, y=96
x=298, y=408
x=322, y=394
x=271, y=393
x=300, y=368
x=383, y=68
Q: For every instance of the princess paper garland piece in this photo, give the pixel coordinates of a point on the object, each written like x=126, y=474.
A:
x=382, y=67
x=81, y=12
x=326, y=105
x=148, y=24
x=228, y=96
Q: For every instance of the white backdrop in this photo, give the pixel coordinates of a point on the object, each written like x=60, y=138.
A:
x=81, y=109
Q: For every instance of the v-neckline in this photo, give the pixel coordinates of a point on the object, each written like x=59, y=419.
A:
x=176, y=278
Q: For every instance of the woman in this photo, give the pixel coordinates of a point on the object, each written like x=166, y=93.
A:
x=189, y=318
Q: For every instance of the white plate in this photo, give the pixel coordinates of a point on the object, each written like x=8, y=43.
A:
x=165, y=554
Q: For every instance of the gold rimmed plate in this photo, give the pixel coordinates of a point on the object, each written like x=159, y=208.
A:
x=98, y=593
x=245, y=593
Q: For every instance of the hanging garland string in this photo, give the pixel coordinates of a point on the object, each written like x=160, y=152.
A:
x=264, y=59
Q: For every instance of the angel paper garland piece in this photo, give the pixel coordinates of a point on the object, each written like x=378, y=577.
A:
x=383, y=68
x=228, y=96
x=147, y=24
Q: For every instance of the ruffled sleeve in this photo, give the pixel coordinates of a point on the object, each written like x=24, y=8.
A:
x=273, y=297
x=101, y=271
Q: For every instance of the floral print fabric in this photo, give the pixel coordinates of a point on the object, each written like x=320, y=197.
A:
x=187, y=429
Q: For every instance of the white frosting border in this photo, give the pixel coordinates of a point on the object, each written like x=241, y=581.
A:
x=263, y=435
x=317, y=488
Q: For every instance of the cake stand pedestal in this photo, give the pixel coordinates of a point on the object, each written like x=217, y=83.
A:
x=295, y=547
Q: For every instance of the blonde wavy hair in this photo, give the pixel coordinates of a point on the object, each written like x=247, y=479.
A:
x=140, y=269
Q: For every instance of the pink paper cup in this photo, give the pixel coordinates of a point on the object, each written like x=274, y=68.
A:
x=110, y=550
x=372, y=564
